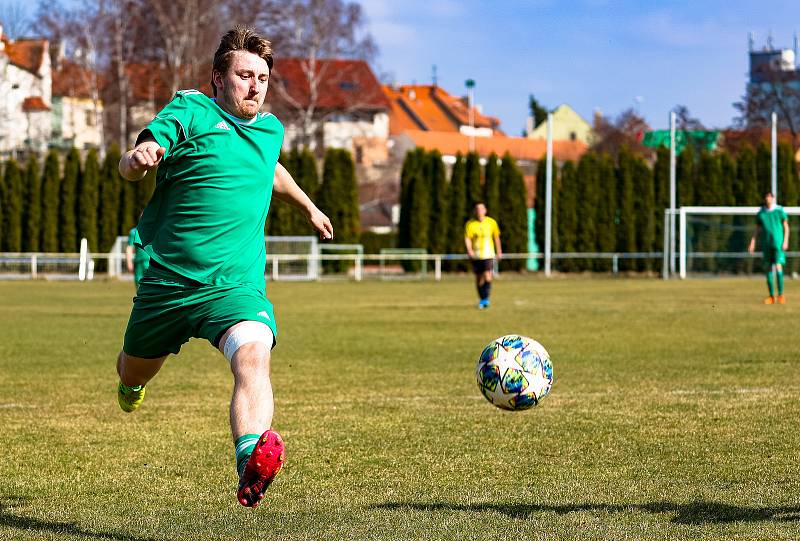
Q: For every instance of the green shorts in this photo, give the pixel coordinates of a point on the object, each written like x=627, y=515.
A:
x=169, y=309
x=773, y=256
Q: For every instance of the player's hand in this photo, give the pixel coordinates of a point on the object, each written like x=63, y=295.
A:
x=499, y=254
x=785, y=246
x=321, y=223
x=145, y=156
x=752, y=247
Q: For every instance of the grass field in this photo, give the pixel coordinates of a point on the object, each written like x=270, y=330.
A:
x=674, y=416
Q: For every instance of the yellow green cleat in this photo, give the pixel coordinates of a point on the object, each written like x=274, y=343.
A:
x=130, y=398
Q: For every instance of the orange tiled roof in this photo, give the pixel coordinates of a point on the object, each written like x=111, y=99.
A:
x=521, y=148
x=27, y=54
x=33, y=104
x=73, y=80
x=344, y=85
x=430, y=108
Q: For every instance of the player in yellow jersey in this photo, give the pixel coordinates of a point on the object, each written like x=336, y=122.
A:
x=482, y=239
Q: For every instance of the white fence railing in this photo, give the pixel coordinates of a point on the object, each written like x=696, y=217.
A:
x=325, y=266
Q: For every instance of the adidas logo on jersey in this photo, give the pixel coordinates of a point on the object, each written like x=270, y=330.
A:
x=222, y=125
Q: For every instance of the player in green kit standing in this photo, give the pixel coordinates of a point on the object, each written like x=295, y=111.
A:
x=772, y=233
x=136, y=258
x=204, y=232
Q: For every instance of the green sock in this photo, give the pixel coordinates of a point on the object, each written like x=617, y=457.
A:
x=244, y=448
x=769, y=284
x=780, y=281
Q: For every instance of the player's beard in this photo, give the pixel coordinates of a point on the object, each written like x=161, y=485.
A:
x=240, y=106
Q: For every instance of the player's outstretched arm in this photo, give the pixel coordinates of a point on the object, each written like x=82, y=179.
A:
x=135, y=163
x=286, y=189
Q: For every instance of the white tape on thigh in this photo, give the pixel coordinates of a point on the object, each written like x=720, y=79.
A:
x=245, y=333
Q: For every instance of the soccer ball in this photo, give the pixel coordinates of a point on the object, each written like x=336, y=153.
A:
x=514, y=372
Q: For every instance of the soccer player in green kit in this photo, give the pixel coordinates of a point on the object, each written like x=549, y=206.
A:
x=773, y=233
x=204, y=232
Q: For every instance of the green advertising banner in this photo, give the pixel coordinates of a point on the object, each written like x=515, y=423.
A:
x=703, y=139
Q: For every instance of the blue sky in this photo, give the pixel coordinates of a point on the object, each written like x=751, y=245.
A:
x=592, y=54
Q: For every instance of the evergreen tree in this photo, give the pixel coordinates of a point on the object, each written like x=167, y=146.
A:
x=539, y=203
x=787, y=177
x=338, y=197
x=567, y=212
x=67, y=212
x=728, y=180
x=128, y=215
x=12, y=203
x=747, y=178
x=459, y=212
x=473, y=180
x=686, y=175
x=644, y=208
x=763, y=169
x=51, y=189
x=281, y=214
x=307, y=179
x=746, y=194
x=661, y=194
x=513, y=201
x=491, y=187
x=728, y=189
x=89, y=201
x=32, y=208
x=587, y=207
x=419, y=203
x=413, y=162
x=607, y=214
x=439, y=222
x=109, y=198
x=626, y=231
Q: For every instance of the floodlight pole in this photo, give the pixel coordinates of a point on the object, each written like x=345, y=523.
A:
x=775, y=155
x=470, y=84
x=673, y=195
x=548, y=210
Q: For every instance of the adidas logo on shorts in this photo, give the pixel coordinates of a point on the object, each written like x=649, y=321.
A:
x=263, y=314
x=222, y=125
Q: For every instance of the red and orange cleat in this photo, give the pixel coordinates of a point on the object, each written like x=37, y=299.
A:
x=780, y=299
x=263, y=465
x=769, y=300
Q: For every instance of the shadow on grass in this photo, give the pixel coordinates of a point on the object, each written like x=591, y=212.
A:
x=694, y=513
x=21, y=522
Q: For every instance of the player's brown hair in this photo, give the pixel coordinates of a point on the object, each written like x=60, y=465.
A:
x=240, y=38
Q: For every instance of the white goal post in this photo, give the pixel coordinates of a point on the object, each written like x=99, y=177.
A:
x=713, y=234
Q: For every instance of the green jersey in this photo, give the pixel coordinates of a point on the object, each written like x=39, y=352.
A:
x=139, y=255
x=206, y=218
x=771, y=223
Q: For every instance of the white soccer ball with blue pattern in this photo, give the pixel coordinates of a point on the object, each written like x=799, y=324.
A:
x=514, y=372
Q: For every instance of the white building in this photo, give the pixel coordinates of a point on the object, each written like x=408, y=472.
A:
x=25, y=95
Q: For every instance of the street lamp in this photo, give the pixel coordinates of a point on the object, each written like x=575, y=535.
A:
x=470, y=84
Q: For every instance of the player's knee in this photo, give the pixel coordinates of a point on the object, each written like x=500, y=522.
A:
x=248, y=342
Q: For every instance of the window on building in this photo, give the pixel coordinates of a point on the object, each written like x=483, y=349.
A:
x=348, y=86
x=90, y=118
x=573, y=136
x=359, y=154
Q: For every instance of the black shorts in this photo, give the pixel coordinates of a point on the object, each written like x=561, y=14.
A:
x=479, y=266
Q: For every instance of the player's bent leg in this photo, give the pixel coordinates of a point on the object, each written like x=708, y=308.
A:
x=134, y=373
x=259, y=450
